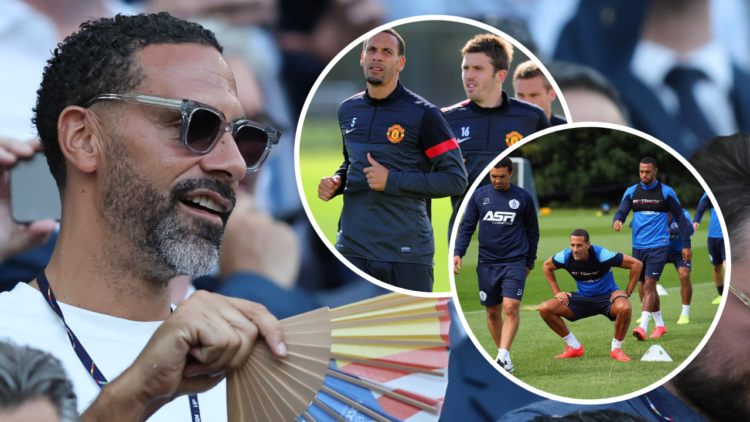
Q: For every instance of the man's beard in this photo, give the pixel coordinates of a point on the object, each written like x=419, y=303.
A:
x=723, y=397
x=372, y=80
x=375, y=80
x=165, y=245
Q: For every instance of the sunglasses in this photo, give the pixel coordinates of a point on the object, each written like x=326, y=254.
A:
x=203, y=125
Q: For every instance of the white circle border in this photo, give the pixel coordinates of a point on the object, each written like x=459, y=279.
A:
x=610, y=400
x=311, y=94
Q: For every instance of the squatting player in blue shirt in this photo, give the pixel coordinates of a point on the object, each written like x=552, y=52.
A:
x=598, y=294
x=651, y=202
x=508, y=240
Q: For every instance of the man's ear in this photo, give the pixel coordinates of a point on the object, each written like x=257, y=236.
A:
x=552, y=95
x=500, y=76
x=401, y=63
x=362, y=59
x=79, y=137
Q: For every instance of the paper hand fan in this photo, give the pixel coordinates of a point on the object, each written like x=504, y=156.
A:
x=383, y=359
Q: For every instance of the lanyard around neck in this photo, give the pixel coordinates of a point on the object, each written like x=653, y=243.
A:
x=654, y=404
x=83, y=356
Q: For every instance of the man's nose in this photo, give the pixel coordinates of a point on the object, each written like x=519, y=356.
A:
x=225, y=160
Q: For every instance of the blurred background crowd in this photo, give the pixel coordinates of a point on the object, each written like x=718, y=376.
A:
x=676, y=69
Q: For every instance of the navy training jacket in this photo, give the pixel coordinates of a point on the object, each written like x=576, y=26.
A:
x=483, y=133
x=410, y=137
x=508, y=226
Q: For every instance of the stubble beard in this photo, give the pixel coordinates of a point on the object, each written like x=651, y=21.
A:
x=162, y=245
x=477, y=94
x=372, y=80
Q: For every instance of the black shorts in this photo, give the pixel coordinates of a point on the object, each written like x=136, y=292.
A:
x=587, y=306
x=676, y=259
x=499, y=281
x=417, y=277
x=716, y=251
x=653, y=260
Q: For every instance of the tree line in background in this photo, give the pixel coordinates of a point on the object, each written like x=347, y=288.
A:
x=586, y=167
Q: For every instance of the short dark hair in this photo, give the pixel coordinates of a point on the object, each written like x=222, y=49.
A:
x=499, y=51
x=571, y=77
x=27, y=374
x=649, y=160
x=581, y=232
x=399, y=40
x=505, y=162
x=528, y=70
x=98, y=59
x=724, y=163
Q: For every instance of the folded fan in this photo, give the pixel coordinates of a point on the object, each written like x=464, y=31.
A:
x=383, y=359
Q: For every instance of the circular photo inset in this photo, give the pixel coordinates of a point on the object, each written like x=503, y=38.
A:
x=581, y=269
x=396, y=130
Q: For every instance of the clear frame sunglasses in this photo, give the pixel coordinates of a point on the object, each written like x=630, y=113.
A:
x=203, y=125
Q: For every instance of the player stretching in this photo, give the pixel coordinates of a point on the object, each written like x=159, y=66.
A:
x=598, y=294
x=508, y=239
x=651, y=201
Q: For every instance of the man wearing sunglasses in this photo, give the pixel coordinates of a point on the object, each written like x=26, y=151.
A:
x=143, y=131
x=398, y=152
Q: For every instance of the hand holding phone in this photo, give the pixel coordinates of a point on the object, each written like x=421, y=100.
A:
x=18, y=238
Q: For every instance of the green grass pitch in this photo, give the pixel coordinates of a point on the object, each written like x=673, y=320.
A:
x=595, y=375
x=317, y=164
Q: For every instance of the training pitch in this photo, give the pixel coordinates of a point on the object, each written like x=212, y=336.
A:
x=595, y=375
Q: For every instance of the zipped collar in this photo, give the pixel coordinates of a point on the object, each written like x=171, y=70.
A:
x=390, y=99
x=649, y=187
x=502, y=108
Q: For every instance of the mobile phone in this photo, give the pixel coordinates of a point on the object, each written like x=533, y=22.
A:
x=33, y=191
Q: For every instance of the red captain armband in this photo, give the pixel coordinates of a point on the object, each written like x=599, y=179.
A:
x=441, y=148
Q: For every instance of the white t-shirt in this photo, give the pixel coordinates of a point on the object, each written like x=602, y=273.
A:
x=113, y=344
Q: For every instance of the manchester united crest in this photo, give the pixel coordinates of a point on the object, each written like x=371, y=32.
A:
x=512, y=138
x=395, y=133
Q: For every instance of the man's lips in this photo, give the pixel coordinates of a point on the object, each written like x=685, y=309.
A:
x=208, y=204
x=376, y=68
x=204, y=213
x=208, y=199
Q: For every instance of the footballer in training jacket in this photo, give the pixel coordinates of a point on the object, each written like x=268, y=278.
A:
x=489, y=121
x=508, y=240
x=398, y=152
